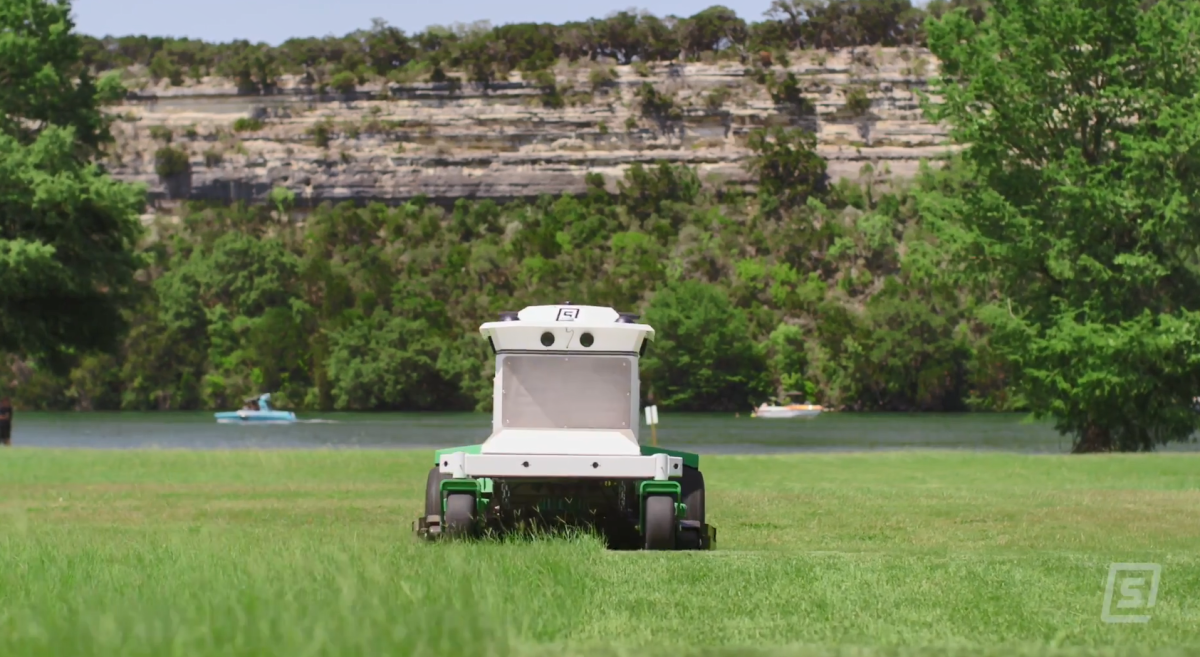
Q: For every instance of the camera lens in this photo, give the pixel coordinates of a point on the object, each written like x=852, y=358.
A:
x=586, y=339
x=547, y=339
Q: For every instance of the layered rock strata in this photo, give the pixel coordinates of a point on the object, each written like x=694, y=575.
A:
x=518, y=138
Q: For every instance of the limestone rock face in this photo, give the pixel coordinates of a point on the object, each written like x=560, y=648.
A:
x=516, y=140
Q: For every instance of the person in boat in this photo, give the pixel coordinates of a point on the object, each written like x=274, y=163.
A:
x=251, y=405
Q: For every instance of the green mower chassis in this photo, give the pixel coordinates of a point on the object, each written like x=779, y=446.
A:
x=630, y=513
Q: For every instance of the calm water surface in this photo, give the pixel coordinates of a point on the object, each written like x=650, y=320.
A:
x=701, y=433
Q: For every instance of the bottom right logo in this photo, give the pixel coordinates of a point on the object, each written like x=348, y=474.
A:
x=1137, y=586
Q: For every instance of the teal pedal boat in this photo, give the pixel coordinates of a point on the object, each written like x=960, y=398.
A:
x=256, y=410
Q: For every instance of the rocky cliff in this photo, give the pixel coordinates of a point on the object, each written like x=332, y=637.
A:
x=517, y=138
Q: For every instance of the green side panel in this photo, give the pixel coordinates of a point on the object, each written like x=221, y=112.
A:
x=689, y=459
x=480, y=488
x=462, y=486
x=657, y=487
x=469, y=449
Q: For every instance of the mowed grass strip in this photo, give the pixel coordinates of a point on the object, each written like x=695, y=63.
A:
x=311, y=553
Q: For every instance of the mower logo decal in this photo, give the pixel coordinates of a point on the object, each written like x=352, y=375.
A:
x=568, y=314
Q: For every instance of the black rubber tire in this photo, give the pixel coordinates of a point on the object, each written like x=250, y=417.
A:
x=691, y=487
x=433, y=492
x=658, y=531
x=460, y=515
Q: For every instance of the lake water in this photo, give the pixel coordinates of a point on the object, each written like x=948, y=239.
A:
x=706, y=434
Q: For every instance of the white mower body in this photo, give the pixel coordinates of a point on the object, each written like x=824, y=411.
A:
x=565, y=400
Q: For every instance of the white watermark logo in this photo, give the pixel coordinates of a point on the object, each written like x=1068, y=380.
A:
x=1136, y=594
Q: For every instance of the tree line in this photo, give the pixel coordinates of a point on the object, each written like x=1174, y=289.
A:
x=1052, y=266
x=484, y=52
x=378, y=308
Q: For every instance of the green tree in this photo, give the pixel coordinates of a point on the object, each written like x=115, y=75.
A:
x=713, y=29
x=67, y=230
x=44, y=84
x=787, y=165
x=1082, y=124
x=703, y=357
x=344, y=83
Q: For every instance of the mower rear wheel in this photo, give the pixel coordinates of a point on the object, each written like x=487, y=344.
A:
x=433, y=492
x=691, y=487
x=460, y=515
x=658, y=528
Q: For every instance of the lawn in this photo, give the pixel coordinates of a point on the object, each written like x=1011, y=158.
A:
x=311, y=553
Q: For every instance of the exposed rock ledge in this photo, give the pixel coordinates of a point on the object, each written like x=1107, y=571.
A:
x=425, y=139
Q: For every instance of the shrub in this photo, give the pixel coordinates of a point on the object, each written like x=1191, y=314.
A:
x=600, y=78
x=247, y=124
x=344, y=83
x=213, y=158
x=716, y=99
x=161, y=133
x=658, y=105
x=170, y=162
x=858, y=102
x=321, y=134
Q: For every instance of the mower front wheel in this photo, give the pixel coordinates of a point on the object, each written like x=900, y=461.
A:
x=659, y=523
x=460, y=515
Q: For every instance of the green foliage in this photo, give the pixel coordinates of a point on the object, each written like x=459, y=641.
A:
x=787, y=166
x=714, y=29
x=658, y=106
x=788, y=96
x=344, y=83
x=282, y=198
x=161, y=133
x=66, y=250
x=109, y=89
x=483, y=58
x=548, y=84
x=601, y=78
x=858, y=102
x=483, y=54
x=67, y=231
x=213, y=158
x=247, y=124
x=715, y=100
x=162, y=66
x=322, y=133
x=1079, y=218
x=703, y=358
x=170, y=162
x=42, y=81
x=787, y=362
x=377, y=308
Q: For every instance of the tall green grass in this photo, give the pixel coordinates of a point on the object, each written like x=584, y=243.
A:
x=311, y=553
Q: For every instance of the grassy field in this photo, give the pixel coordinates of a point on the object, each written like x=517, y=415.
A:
x=311, y=553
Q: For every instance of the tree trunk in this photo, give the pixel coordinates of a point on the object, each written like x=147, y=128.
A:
x=1094, y=439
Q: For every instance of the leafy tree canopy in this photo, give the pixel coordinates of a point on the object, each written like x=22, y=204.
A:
x=67, y=230
x=1083, y=124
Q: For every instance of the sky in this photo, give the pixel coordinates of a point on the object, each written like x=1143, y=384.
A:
x=273, y=21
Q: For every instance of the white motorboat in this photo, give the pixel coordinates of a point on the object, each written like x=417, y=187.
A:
x=767, y=411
